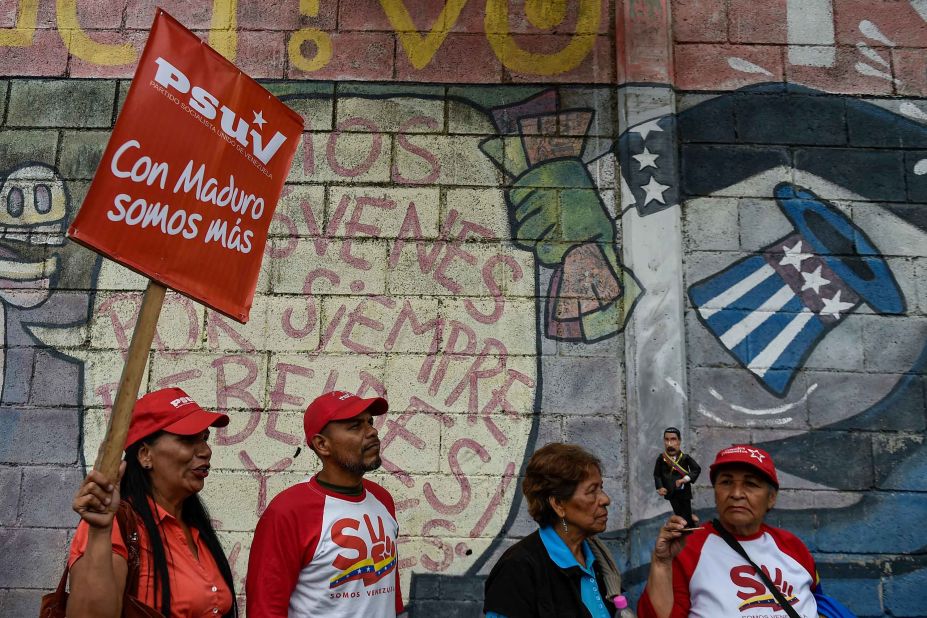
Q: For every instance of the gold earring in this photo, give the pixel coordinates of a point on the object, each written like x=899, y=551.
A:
x=563, y=522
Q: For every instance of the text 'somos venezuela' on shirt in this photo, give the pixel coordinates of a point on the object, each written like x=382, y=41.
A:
x=321, y=553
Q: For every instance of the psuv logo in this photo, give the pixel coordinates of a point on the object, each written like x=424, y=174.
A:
x=371, y=556
x=753, y=592
x=204, y=102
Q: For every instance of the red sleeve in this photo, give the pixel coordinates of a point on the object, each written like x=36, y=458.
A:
x=644, y=607
x=284, y=542
x=79, y=543
x=384, y=496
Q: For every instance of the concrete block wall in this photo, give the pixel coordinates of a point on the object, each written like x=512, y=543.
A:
x=671, y=149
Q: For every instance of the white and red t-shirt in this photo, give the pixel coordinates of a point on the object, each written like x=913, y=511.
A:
x=321, y=553
x=711, y=580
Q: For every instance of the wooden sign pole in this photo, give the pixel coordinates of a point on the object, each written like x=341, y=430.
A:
x=110, y=454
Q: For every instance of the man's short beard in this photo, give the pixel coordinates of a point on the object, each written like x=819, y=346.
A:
x=358, y=466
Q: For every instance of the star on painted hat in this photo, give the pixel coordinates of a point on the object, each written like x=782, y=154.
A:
x=770, y=311
x=834, y=306
x=794, y=256
x=814, y=280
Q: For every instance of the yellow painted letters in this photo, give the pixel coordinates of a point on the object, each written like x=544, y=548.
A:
x=421, y=49
x=541, y=12
x=21, y=35
x=321, y=40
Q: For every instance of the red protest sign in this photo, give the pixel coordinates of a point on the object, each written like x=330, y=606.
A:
x=191, y=176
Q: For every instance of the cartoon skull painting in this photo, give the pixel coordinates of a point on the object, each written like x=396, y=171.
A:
x=44, y=285
x=34, y=201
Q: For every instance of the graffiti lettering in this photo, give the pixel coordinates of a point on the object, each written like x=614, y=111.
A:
x=22, y=34
x=317, y=38
x=411, y=229
x=223, y=33
x=373, y=152
x=395, y=427
x=293, y=331
x=404, y=143
x=495, y=501
x=492, y=349
x=121, y=311
x=447, y=552
x=517, y=59
x=223, y=28
x=85, y=48
x=461, y=478
x=227, y=392
x=354, y=228
x=421, y=49
x=356, y=318
x=261, y=476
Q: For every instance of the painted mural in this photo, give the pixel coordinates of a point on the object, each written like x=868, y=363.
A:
x=496, y=212
x=413, y=291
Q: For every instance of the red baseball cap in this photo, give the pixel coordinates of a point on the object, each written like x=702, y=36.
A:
x=748, y=455
x=338, y=406
x=171, y=410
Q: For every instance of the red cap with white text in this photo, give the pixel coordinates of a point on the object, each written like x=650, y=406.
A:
x=171, y=410
x=748, y=455
x=338, y=406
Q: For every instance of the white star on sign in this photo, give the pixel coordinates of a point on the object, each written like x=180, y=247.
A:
x=259, y=119
x=647, y=159
x=833, y=306
x=814, y=281
x=647, y=128
x=755, y=454
x=793, y=256
x=654, y=191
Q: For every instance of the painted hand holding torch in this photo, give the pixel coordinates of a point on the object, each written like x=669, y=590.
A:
x=557, y=213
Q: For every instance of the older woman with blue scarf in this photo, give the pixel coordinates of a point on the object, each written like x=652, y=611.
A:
x=561, y=569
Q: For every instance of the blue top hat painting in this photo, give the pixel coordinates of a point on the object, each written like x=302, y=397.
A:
x=771, y=310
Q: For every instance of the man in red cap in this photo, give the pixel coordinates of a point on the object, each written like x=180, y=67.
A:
x=327, y=546
x=707, y=575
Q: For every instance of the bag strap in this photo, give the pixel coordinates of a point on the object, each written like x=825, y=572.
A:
x=736, y=546
x=128, y=525
x=61, y=590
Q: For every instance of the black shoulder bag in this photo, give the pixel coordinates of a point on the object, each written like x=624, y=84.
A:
x=736, y=546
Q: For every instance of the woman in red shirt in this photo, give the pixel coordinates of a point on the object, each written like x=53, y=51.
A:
x=182, y=571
